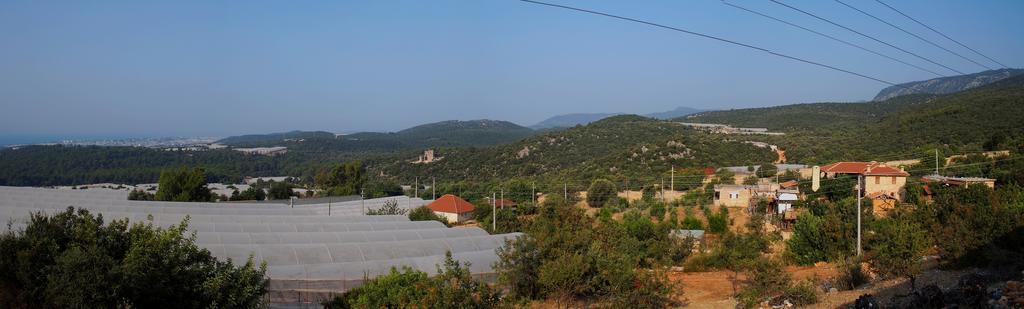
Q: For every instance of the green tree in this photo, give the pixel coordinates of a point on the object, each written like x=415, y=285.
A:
x=280, y=191
x=600, y=191
x=767, y=170
x=343, y=179
x=718, y=223
x=899, y=245
x=183, y=185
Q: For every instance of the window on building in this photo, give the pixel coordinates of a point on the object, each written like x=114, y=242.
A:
x=893, y=179
x=878, y=180
x=718, y=195
x=734, y=195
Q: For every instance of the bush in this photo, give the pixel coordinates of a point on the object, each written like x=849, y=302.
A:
x=75, y=259
x=390, y=208
x=658, y=210
x=453, y=287
x=423, y=213
x=851, y=275
x=600, y=192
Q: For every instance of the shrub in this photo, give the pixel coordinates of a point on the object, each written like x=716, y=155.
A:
x=851, y=275
x=423, y=213
x=718, y=223
x=600, y=192
x=390, y=208
x=453, y=287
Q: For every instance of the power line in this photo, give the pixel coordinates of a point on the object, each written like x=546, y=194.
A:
x=865, y=35
x=711, y=37
x=940, y=33
x=831, y=37
x=912, y=34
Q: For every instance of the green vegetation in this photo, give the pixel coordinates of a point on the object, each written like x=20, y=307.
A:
x=600, y=192
x=183, y=185
x=423, y=213
x=827, y=132
x=343, y=179
x=75, y=259
x=767, y=280
x=390, y=208
x=573, y=258
x=453, y=287
x=280, y=191
x=621, y=149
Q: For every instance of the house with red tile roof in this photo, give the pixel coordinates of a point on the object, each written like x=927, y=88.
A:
x=880, y=180
x=452, y=208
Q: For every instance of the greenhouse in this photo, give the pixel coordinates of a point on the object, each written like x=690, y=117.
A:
x=311, y=250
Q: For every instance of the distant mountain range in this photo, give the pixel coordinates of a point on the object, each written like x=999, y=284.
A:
x=946, y=85
x=571, y=120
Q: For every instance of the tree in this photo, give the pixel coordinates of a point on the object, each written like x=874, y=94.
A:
x=343, y=179
x=899, y=245
x=383, y=188
x=767, y=170
x=718, y=223
x=390, y=208
x=751, y=180
x=600, y=191
x=75, y=259
x=280, y=191
x=183, y=185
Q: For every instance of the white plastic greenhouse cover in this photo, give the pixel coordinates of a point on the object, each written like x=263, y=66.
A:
x=305, y=248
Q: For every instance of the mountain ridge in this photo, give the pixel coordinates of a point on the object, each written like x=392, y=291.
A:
x=947, y=85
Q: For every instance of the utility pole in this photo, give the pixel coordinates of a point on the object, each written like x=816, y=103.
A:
x=936, y=162
x=565, y=191
x=533, y=193
x=417, y=186
x=502, y=198
x=860, y=181
x=330, y=200
x=672, y=179
x=663, y=200
x=433, y=188
x=494, y=213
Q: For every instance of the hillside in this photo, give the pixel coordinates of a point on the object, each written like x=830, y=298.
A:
x=307, y=152
x=823, y=132
x=619, y=146
x=946, y=85
x=273, y=137
x=675, y=113
x=571, y=120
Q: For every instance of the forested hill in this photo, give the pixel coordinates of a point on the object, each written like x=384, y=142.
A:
x=990, y=116
x=274, y=137
x=619, y=146
x=452, y=133
x=946, y=85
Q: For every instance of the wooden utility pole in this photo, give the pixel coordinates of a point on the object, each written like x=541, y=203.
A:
x=936, y=161
x=417, y=186
x=672, y=179
x=433, y=188
x=494, y=213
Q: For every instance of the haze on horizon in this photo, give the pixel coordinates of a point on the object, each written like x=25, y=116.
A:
x=127, y=68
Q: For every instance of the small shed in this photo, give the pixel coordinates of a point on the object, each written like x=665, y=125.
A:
x=785, y=202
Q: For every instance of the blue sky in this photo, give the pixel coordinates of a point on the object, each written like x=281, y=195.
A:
x=142, y=68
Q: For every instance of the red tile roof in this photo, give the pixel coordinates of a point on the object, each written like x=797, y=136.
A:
x=789, y=184
x=451, y=204
x=863, y=168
